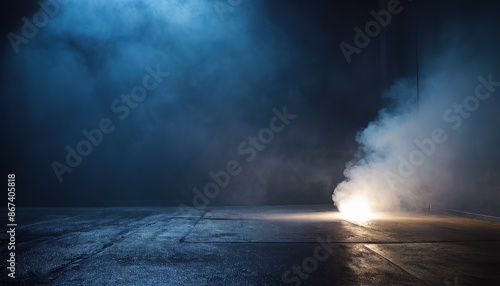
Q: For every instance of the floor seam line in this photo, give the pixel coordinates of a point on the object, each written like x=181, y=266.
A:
x=393, y=263
x=182, y=239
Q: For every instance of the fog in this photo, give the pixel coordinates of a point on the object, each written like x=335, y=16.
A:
x=143, y=102
x=228, y=67
x=438, y=148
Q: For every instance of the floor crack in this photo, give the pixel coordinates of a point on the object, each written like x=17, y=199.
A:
x=393, y=263
x=183, y=238
x=53, y=274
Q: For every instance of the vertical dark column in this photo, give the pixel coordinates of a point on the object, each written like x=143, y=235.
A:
x=383, y=49
x=416, y=18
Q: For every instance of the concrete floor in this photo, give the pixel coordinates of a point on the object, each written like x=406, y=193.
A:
x=250, y=246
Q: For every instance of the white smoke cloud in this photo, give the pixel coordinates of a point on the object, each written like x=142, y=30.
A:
x=411, y=156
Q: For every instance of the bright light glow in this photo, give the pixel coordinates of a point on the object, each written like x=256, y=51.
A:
x=356, y=210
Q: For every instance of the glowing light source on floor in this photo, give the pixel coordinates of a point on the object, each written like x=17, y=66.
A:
x=356, y=209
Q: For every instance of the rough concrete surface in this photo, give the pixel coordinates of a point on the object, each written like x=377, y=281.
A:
x=262, y=245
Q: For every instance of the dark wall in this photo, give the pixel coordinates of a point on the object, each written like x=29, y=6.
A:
x=228, y=66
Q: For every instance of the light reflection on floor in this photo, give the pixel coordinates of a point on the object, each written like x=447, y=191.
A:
x=252, y=246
